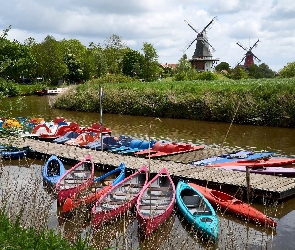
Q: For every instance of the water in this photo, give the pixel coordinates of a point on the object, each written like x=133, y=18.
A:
x=176, y=234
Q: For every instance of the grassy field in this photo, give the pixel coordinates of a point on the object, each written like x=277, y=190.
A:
x=268, y=102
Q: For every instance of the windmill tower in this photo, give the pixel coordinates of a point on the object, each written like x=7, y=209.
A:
x=249, y=56
x=202, y=60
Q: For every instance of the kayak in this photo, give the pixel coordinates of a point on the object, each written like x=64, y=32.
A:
x=229, y=203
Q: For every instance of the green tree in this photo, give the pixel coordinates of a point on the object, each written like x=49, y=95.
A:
x=150, y=66
x=114, y=53
x=266, y=71
x=288, y=70
x=132, y=63
x=50, y=57
x=16, y=59
x=184, y=70
x=74, y=56
x=222, y=66
x=238, y=73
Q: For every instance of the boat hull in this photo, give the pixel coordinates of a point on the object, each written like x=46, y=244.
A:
x=88, y=198
x=52, y=171
x=234, y=206
x=155, y=203
x=120, y=198
x=205, y=223
x=75, y=179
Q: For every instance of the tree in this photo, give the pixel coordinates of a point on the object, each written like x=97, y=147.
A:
x=150, y=66
x=261, y=71
x=15, y=58
x=238, y=73
x=50, y=57
x=288, y=70
x=132, y=63
x=184, y=70
x=114, y=53
x=74, y=56
x=222, y=66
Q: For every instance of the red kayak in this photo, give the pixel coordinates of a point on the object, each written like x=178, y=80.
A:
x=271, y=162
x=229, y=203
x=155, y=203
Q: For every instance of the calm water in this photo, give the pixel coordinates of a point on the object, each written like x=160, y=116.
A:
x=175, y=234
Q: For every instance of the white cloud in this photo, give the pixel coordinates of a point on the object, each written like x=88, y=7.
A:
x=162, y=24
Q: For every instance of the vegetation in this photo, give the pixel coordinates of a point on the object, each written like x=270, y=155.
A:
x=259, y=102
x=14, y=236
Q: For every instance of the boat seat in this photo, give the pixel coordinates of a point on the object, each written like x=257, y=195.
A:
x=191, y=200
x=201, y=212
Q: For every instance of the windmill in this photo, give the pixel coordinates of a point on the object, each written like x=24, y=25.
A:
x=202, y=58
x=249, y=56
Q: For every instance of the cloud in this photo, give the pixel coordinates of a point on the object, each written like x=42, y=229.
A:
x=161, y=23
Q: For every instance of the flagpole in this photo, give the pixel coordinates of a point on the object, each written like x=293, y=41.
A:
x=100, y=105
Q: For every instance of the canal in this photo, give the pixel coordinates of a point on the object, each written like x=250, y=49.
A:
x=175, y=234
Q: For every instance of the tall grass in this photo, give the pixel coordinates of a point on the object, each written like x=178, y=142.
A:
x=268, y=102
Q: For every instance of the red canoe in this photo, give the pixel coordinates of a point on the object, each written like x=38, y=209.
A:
x=229, y=203
x=155, y=202
x=119, y=198
x=75, y=179
x=90, y=194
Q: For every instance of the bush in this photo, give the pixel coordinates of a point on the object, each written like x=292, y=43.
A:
x=9, y=88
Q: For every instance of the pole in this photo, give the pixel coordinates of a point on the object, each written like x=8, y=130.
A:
x=100, y=105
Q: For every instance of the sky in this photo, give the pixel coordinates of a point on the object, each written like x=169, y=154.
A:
x=162, y=24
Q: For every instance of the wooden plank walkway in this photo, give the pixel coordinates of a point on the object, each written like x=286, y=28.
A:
x=266, y=185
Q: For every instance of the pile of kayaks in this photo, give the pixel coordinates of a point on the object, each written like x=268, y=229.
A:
x=154, y=197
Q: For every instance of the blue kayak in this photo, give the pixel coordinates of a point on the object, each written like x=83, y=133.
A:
x=243, y=155
x=197, y=211
x=52, y=171
x=12, y=153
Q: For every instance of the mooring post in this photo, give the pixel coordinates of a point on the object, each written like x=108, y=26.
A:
x=248, y=183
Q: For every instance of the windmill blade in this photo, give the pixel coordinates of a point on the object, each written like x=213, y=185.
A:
x=191, y=26
x=188, y=46
x=257, y=59
x=242, y=59
x=238, y=43
x=213, y=49
x=209, y=24
x=255, y=44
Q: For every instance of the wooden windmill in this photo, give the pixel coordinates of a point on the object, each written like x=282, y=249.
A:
x=202, y=60
x=249, y=56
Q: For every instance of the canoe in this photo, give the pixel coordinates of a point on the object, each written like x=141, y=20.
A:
x=277, y=171
x=197, y=211
x=53, y=170
x=76, y=178
x=94, y=190
x=230, y=204
x=271, y=162
x=12, y=153
x=119, y=198
x=155, y=203
x=236, y=157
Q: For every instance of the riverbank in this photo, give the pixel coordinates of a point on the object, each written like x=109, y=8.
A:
x=269, y=102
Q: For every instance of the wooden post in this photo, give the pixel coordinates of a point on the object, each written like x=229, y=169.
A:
x=248, y=183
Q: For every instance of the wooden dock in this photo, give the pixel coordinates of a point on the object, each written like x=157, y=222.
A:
x=273, y=187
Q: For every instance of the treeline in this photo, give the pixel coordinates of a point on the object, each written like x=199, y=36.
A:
x=73, y=62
